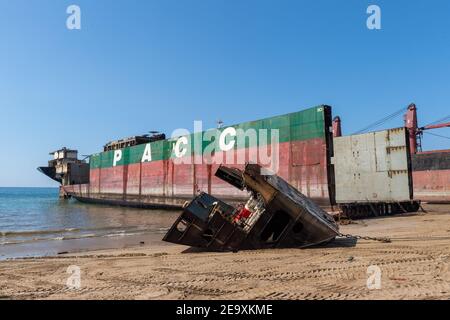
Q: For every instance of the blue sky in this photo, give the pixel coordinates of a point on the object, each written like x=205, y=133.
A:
x=141, y=65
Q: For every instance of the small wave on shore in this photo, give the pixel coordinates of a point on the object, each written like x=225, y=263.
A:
x=36, y=217
x=18, y=237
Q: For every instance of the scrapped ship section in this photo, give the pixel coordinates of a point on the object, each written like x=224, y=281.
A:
x=275, y=215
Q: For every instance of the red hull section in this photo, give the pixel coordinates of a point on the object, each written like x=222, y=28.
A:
x=431, y=176
x=432, y=185
x=303, y=163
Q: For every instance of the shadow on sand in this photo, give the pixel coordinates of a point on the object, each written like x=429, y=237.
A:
x=337, y=243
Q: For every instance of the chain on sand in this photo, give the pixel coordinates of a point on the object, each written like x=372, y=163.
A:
x=350, y=236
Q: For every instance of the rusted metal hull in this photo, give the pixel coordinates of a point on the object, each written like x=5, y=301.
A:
x=431, y=176
x=303, y=164
x=277, y=215
x=305, y=152
x=304, y=161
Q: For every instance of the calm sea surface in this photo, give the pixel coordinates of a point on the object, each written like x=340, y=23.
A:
x=35, y=222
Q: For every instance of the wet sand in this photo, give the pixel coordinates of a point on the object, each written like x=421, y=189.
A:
x=415, y=265
x=58, y=247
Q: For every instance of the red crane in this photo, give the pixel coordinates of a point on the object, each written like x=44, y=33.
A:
x=337, y=131
x=414, y=131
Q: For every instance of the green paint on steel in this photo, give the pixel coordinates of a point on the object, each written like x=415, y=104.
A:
x=297, y=126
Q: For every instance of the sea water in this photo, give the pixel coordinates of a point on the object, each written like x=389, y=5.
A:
x=35, y=222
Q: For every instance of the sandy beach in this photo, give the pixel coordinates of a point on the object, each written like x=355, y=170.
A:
x=414, y=266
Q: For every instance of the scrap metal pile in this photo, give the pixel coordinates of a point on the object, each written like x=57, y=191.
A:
x=275, y=215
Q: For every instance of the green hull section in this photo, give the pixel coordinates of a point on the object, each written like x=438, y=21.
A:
x=297, y=126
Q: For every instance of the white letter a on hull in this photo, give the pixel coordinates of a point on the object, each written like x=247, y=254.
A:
x=147, y=156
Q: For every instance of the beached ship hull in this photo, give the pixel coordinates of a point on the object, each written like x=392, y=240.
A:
x=152, y=174
x=431, y=176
